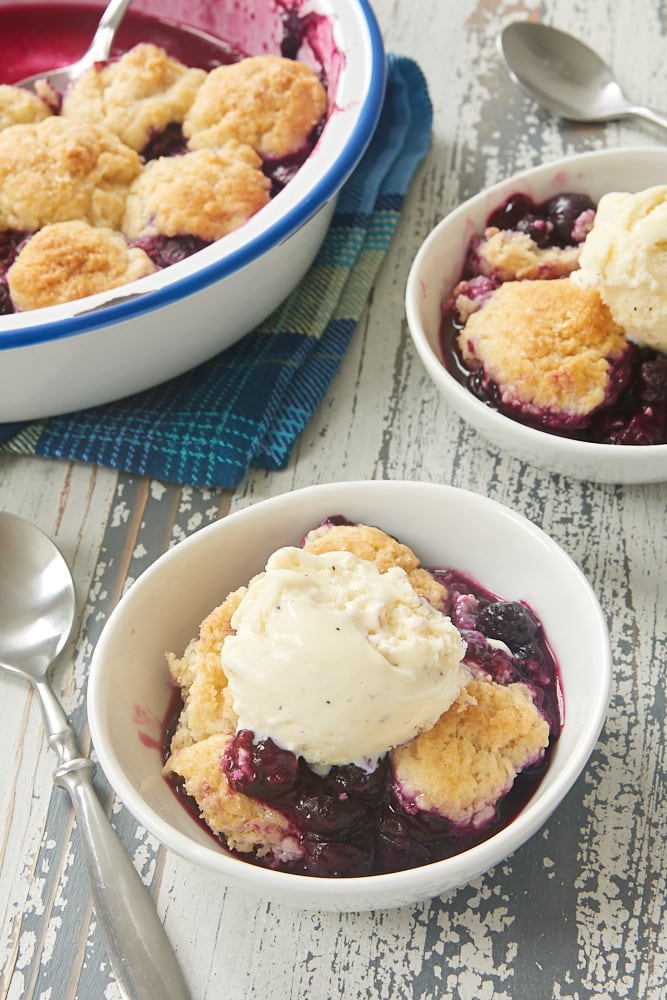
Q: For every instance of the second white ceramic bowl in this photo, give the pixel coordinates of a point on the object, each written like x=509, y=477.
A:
x=438, y=266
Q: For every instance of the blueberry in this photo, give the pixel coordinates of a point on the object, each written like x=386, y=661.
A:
x=647, y=426
x=328, y=859
x=495, y=662
x=483, y=388
x=516, y=209
x=537, y=228
x=318, y=812
x=178, y=248
x=563, y=211
x=406, y=841
x=11, y=241
x=510, y=621
x=475, y=384
x=6, y=305
x=535, y=668
x=261, y=769
x=349, y=779
x=294, y=30
x=165, y=250
x=653, y=380
x=397, y=846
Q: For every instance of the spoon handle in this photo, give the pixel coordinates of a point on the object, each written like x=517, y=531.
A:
x=650, y=114
x=140, y=954
x=100, y=47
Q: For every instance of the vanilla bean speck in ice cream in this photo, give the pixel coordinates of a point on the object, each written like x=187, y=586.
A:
x=624, y=257
x=361, y=661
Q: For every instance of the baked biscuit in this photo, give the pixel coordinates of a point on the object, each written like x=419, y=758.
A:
x=376, y=546
x=548, y=345
x=206, y=193
x=207, y=708
x=206, y=724
x=20, y=107
x=246, y=824
x=69, y=260
x=469, y=759
x=506, y=255
x=135, y=97
x=58, y=169
x=269, y=102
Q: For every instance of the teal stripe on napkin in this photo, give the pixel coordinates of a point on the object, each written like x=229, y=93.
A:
x=247, y=406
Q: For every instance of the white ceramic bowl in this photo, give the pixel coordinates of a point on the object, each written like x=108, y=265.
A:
x=438, y=265
x=128, y=692
x=106, y=346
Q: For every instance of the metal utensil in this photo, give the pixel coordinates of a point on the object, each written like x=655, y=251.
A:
x=37, y=608
x=566, y=76
x=100, y=47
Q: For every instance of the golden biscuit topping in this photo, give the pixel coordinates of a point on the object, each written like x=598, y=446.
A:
x=207, y=193
x=509, y=255
x=269, y=102
x=528, y=337
x=69, y=260
x=377, y=547
x=247, y=825
x=57, y=170
x=20, y=107
x=139, y=94
x=469, y=759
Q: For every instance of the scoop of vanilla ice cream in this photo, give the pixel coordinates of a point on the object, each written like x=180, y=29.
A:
x=339, y=662
x=625, y=258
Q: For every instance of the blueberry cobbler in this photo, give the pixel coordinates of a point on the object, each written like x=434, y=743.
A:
x=351, y=712
x=557, y=320
x=140, y=163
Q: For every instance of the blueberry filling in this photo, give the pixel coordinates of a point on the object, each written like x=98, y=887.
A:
x=168, y=141
x=638, y=415
x=166, y=250
x=11, y=241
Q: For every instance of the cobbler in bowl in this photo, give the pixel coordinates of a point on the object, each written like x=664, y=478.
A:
x=458, y=695
x=529, y=332
x=524, y=337
x=400, y=769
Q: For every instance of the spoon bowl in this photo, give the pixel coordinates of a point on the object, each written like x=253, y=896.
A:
x=37, y=611
x=33, y=633
x=565, y=76
x=60, y=78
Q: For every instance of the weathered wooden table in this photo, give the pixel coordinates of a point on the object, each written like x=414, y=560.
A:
x=578, y=911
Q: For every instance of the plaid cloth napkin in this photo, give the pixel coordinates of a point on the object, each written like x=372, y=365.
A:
x=247, y=406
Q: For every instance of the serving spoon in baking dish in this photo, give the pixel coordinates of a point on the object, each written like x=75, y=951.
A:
x=565, y=76
x=37, y=608
x=100, y=47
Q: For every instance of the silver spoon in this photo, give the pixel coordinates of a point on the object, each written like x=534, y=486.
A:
x=566, y=76
x=36, y=616
x=100, y=47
